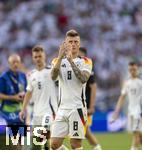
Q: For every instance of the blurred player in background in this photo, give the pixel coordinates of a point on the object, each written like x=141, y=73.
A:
x=42, y=91
x=90, y=99
x=12, y=89
x=72, y=72
x=133, y=89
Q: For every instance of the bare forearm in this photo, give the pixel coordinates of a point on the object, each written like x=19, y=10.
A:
x=93, y=95
x=26, y=100
x=54, y=73
x=56, y=69
x=119, y=103
x=7, y=97
x=83, y=77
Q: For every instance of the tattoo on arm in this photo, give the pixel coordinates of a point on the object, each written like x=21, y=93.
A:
x=82, y=76
x=56, y=69
x=54, y=73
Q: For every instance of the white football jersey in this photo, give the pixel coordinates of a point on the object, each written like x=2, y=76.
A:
x=133, y=89
x=43, y=92
x=71, y=90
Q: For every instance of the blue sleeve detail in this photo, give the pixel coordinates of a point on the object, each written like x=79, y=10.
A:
x=2, y=85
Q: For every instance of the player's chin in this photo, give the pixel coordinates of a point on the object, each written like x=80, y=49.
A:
x=74, y=50
x=39, y=63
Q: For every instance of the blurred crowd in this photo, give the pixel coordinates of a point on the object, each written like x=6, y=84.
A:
x=111, y=30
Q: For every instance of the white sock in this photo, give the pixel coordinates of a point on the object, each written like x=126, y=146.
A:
x=63, y=147
x=97, y=147
x=134, y=148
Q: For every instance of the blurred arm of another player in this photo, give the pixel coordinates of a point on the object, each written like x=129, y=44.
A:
x=93, y=88
x=27, y=98
x=118, y=108
x=57, y=62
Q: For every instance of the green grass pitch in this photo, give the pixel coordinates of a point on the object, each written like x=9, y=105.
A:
x=111, y=141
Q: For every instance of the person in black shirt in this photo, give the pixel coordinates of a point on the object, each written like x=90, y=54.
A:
x=90, y=100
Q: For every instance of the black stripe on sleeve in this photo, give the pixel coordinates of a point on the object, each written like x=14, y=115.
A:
x=83, y=100
x=52, y=109
x=60, y=97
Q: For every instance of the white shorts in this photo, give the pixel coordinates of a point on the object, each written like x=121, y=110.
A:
x=70, y=122
x=135, y=124
x=44, y=121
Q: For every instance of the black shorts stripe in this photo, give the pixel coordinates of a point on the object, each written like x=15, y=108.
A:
x=80, y=112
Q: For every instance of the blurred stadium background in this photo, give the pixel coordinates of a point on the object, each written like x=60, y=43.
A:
x=111, y=30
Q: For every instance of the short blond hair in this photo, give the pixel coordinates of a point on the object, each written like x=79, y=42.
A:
x=72, y=33
x=38, y=48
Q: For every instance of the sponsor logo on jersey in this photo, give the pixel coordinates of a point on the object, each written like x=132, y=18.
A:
x=64, y=65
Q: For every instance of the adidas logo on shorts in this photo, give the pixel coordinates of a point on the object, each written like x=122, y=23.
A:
x=75, y=134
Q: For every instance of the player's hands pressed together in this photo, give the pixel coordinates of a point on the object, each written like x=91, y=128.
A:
x=68, y=52
x=56, y=68
x=69, y=56
x=61, y=55
x=62, y=51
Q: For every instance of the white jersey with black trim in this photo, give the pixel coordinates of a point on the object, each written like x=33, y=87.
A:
x=71, y=90
x=43, y=92
x=133, y=89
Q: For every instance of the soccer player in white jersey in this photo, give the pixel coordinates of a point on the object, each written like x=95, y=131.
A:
x=72, y=72
x=42, y=90
x=133, y=89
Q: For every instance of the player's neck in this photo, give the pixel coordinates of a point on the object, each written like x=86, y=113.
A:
x=74, y=55
x=134, y=77
x=40, y=67
x=13, y=71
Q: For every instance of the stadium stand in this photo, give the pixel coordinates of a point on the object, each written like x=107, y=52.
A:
x=111, y=30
